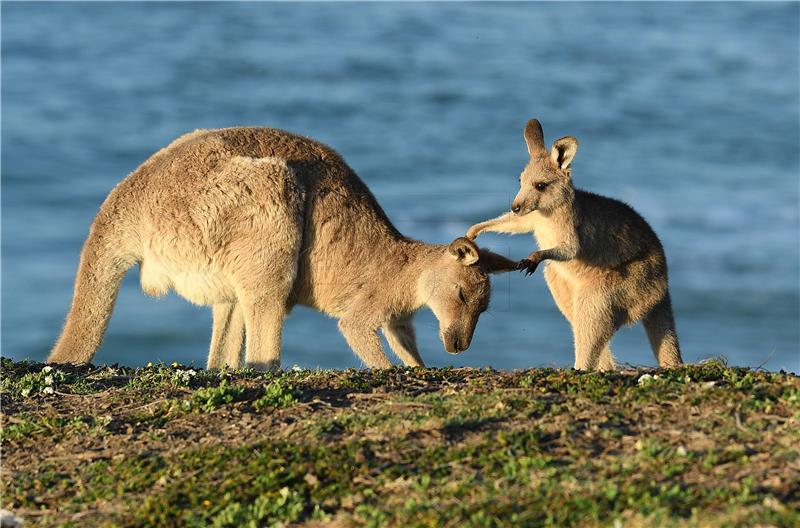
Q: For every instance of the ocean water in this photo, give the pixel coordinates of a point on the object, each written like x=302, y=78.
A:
x=687, y=111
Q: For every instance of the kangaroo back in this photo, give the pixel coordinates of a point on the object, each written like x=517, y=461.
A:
x=102, y=266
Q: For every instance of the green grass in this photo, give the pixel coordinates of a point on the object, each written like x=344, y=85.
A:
x=703, y=445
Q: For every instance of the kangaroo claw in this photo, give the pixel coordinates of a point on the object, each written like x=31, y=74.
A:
x=527, y=266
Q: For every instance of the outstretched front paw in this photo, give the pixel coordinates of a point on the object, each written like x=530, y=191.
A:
x=528, y=265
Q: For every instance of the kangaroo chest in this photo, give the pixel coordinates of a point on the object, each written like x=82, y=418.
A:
x=546, y=232
x=550, y=233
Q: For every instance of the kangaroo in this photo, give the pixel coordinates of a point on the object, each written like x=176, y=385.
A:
x=253, y=221
x=606, y=267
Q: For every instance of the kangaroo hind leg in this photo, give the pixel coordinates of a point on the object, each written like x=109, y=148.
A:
x=263, y=250
x=264, y=290
x=593, y=326
x=264, y=327
x=227, y=336
x=563, y=295
x=606, y=361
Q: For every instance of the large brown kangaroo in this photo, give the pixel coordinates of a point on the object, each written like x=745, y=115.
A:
x=253, y=221
x=605, y=265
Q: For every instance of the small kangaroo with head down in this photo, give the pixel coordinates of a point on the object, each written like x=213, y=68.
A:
x=254, y=221
x=606, y=267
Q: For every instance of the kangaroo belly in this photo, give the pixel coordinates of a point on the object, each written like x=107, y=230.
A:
x=199, y=285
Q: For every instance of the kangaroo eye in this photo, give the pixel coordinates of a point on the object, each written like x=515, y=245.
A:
x=541, y=186
x=461, y=296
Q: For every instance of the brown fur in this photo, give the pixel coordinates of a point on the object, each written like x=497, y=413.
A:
x=254, y=221
x=606, y=267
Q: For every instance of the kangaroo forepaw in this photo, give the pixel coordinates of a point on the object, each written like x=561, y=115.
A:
x=527, y=266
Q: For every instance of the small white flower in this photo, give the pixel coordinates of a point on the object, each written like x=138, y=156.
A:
x=48, y=390
x=296, y=368
x=48, y=380
x=681, y=451
x=47, y=369
x=191, y=373
x=645, y=379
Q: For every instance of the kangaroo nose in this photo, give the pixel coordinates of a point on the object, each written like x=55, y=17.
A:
x=516, y=207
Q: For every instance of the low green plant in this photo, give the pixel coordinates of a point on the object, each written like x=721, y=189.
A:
x=210, y=398
x=44, y=381
x=277, y=394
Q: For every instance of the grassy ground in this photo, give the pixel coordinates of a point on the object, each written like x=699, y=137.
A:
x=167, y=446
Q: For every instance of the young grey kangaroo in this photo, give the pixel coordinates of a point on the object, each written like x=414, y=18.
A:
x=254, y=221
x=606, y=266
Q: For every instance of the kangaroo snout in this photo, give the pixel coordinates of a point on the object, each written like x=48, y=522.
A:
x=521, y=207
x=455, y=346
x=522, y=203
x=455, y=343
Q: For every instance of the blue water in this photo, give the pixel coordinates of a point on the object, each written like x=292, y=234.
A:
x=688, y=111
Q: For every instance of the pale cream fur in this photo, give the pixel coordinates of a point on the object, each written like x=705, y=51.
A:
x=605, y=265
x=253, y=221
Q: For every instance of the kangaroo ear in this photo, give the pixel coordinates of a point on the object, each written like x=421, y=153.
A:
x=564, y=150
x=464, y=250
x=534, y=137
x=494, y=263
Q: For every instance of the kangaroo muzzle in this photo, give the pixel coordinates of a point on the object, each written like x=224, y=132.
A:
x=523, y=204
x=521, y=207
x=456, y=345
x=457, y=340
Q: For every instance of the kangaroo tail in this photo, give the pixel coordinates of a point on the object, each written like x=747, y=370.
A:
x=102, y=266
x=660, y=327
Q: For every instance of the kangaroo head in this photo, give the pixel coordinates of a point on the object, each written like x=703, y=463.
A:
x=546, y=181
x=457, y=289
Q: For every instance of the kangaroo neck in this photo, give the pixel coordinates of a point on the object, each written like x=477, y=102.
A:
x=409, y=266
x=552, y=228
x=419, y=274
